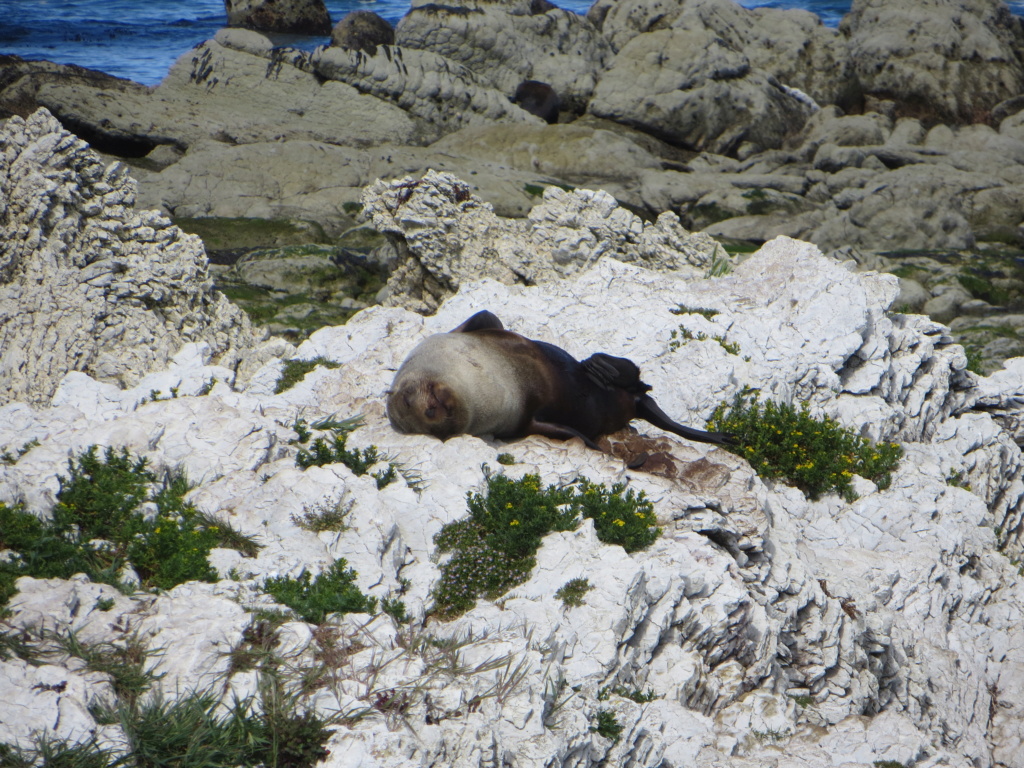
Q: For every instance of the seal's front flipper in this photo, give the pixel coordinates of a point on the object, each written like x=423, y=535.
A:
x=558, y=432
x=607, y=372
x=648, y=410
x=481, y=321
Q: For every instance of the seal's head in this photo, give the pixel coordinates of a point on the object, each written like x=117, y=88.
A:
x=426, y=406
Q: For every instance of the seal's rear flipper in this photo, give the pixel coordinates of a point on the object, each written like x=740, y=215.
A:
x=648, y=410
x=607, y=372
x=481, y=321
x=558, y=432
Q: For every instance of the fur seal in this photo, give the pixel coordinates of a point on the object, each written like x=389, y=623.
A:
x=481, y=379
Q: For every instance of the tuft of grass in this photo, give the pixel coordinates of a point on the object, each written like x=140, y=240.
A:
x=818, y=456
x=803, y=701
x=333, y=591
x=678, y=338
x=494, y=548
x=6, y=457
x=126, y=662
x=571, y=593
x=506, y=459
x=607, y=725
x=327, y=517
x=975, y=360
x=637, y=695
x=295, y=371
x=334, y=450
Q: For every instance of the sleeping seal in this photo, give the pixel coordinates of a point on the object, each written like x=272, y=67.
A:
x=480, y=379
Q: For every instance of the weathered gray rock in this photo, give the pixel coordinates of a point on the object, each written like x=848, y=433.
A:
x=505, y=43
x=949, y=60
x=317, y=182
x=424, y=84
x=300, y=17
x=446, y=236
x=237, y=89
x=687, y=86
x=89, y=284
x=362, y=31
x=792, y=46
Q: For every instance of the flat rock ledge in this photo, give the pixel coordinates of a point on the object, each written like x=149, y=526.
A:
x=89, y=284
x=770, y=629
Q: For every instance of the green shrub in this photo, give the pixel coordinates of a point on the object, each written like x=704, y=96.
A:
x=818, y=456
x=333, y=591
x=571, y=593
x=100, y=500
x=494, y=548
x=607, y=725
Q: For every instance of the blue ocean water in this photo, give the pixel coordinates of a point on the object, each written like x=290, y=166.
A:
x=140, y=40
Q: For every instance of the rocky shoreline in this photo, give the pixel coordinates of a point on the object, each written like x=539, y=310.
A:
x=762, y=624
x=897, y=134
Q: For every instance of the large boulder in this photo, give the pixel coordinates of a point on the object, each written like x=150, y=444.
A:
x=425, y=84
x=791, y=45
x=362, y=31
x=237, y=88
x=89, y=284
x=688, y=87
x=508, y=41
x=939, y=60
x=299, y=17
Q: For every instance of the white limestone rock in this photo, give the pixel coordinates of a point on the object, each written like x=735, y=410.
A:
x=88, y=283
x=446, y=236
x=770, y=626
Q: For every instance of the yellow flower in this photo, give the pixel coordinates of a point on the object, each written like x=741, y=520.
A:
x=514, y=522
x=620, y=523
x=509, y=505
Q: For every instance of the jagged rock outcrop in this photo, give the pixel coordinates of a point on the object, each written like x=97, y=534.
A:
x=445, y=237
x=764, y=625
x=508, y=41
x=89, y=284
x=946, y=60
x=299, y=17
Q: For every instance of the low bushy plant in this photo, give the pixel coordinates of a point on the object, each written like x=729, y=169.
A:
x=571, y=593
x=333, y=591
x=817, y=455
x=607, y=725
x=97, y=528
x=494, y=548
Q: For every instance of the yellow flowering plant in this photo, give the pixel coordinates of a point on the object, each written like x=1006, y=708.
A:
x=817, y=455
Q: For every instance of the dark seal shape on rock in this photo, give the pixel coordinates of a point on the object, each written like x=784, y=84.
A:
x=362, y=31
x=538, y=99
x=297, y=17
x=480, y=379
